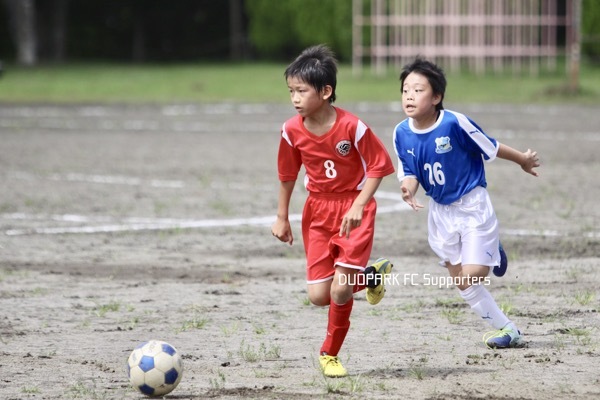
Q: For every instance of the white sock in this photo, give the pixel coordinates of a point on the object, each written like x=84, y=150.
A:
x=484, y=305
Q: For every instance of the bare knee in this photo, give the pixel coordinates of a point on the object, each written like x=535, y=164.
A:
x=320, y=294
x=465, y=276
x=341, y=294
x=319, y=299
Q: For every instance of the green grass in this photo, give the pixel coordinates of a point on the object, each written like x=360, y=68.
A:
x=204, y=83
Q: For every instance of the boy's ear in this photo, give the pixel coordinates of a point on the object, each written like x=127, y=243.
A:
x=437, y=98
x=327, y=92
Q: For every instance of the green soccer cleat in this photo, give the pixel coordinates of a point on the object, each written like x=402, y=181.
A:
x=504, y=338
x=375, y=274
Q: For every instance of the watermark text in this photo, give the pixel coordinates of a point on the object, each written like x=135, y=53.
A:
x=416, y=279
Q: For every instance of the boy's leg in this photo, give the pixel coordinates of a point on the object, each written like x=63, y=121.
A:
x=338, y=325
x=484, y=305
x=319, y=294
x=482, y=302
x=338, y=322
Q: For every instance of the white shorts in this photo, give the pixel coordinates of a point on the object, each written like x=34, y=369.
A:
x=466, y=231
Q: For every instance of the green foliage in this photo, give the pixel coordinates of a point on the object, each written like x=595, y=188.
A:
x=270, y=25
x=332, y=24
x=590, y=29
x=287, y=27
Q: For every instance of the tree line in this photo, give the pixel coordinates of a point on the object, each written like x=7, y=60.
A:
x=132, y=30
x=34, y=31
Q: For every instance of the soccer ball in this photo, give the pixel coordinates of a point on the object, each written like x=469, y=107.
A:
x=154, y=368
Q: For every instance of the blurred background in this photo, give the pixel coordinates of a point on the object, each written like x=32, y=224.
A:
x=519, y=37
x=34, y=31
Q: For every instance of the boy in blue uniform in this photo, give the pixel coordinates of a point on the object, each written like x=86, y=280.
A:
x=444, y=151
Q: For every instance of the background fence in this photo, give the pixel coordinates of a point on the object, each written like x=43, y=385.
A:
x=476, y=35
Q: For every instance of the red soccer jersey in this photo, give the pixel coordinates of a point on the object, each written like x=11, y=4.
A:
x=339, y=161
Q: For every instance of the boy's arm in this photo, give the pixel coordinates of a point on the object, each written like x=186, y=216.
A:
x=353, y=217
x=281, y=229
x=527, y=160
x=409, y=189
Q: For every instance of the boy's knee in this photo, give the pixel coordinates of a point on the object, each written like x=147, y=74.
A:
x=471, y=276
x=478, y=272
x=319, y=299
x=341, y=294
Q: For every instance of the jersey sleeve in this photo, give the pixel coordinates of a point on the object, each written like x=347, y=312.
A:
x=289, y=160
x=404, y=170
x=476, y=139
x=375, y=155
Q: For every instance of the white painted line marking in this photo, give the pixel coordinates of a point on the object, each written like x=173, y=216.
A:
x=111, y=224
x=115, y=180
x=101, y=179
x=134, y=181
x=149, y=224
x=107, y=224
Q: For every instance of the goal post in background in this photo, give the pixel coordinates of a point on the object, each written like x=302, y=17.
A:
x=480, y=36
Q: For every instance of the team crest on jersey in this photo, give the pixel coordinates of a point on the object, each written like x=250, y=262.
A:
x=442, y=145
x=343, y=147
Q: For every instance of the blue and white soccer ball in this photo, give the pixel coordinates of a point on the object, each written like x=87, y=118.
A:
x=154, y=368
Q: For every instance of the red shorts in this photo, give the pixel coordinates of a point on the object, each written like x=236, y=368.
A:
x=325, y=249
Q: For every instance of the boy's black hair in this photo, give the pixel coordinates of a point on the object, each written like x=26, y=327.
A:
x=433, y=73
x=317, y=67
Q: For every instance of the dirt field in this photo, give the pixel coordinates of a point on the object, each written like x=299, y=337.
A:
x=124, y=224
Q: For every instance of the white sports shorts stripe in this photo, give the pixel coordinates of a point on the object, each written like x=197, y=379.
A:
x=466, y=231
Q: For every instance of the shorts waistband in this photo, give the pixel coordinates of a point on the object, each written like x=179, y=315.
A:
x=334, y=195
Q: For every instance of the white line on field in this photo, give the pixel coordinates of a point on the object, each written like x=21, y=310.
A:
x=110, y=224
x=131, y=181
x=115, y=180
x=207, y=223
x=102, y=179
x=107, y=224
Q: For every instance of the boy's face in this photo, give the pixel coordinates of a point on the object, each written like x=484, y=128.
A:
x=305, y=98
x=418, y=98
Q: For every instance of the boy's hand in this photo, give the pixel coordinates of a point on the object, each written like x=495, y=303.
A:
x=530, y=162
x=282, y=230
x=408, y=197
x=351, y=220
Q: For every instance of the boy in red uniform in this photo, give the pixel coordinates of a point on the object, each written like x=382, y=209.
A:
x=345, y=163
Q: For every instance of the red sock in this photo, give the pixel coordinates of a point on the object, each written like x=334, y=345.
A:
x=337, y=327
x=359, y=279
x=360, y=282
x=358, y=288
